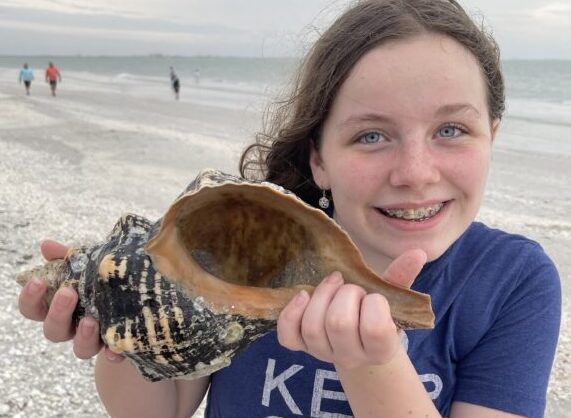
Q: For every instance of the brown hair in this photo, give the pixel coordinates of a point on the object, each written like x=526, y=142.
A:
x=281, y=152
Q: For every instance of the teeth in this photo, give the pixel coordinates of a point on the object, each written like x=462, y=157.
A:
x=418, y=214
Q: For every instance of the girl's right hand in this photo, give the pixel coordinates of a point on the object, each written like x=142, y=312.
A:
x=57, y=317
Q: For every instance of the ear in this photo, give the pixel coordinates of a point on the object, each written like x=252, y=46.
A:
x=318, y=169
x=495, y=127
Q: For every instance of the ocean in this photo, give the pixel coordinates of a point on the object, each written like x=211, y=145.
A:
x=232, y=73
x=538, y=91
x=542, y=80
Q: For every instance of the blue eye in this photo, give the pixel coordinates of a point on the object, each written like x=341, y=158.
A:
x=371, y=138
x=450, y=131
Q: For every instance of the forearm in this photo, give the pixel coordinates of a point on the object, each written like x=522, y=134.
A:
x=391, y=390
x=126, y=394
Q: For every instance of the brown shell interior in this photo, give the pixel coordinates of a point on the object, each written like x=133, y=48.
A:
x=248, y=249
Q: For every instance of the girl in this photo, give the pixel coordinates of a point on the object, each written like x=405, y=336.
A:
x=391, y=122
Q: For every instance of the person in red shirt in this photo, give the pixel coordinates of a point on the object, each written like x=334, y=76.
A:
x=53, y=76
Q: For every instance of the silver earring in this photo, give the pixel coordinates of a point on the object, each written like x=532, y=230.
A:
x=324, y=201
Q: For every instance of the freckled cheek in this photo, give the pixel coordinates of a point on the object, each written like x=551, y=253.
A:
x=356, y=181
x=470, y=174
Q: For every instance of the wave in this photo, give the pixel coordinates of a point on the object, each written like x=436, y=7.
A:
x=123, y=76
x=218, y=84
x=539, y=111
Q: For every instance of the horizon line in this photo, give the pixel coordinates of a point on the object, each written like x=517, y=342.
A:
x=160, y=55
x=149, y=55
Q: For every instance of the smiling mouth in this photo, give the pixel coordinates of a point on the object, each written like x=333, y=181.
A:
x=416, y=214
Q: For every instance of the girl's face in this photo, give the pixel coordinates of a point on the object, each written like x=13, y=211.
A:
x=406, y=147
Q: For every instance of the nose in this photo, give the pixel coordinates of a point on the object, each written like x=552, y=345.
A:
x=414, y=165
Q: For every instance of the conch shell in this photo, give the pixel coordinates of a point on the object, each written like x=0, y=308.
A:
x=181, y=296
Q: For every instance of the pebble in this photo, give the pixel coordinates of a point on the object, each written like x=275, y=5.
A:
x=4, y=409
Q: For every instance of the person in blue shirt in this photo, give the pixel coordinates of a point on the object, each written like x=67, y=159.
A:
x=390, y=126
x=26, y=76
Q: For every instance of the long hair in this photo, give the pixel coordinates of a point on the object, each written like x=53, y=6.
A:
x=293, y=125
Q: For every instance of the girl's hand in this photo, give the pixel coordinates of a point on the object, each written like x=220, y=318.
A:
x=342, y=324
x=57, y=318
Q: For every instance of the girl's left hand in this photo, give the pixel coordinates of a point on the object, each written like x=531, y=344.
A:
x=342, y=324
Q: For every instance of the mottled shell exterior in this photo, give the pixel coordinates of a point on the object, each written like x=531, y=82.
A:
x=181, y=296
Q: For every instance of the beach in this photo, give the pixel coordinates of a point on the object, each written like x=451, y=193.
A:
x=70, y=166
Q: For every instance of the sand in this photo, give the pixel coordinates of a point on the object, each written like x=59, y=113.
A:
x=71, y=165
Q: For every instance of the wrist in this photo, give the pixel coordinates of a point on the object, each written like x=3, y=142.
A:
x=394, y=389
x=386, y=367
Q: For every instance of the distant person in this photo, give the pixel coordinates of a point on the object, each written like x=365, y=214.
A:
x=197, y=76
x=26, y=75
x=53, y=76
x=175, y=83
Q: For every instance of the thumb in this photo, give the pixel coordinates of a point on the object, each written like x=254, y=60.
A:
x=403, y=270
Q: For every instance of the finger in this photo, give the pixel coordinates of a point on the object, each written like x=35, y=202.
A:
x=378, y=332
x=111, y=356
x=58, y=325
x=31, y=300
x=86, y=342
x=313, y=321
x=52, y=250
x=404, y=269
x=289, y=322
x=342, y=325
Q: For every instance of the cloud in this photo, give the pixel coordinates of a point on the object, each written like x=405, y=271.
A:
x=73, y=7
x=524, y=28
x=553, y=13
x=62, y=33
x=199, y=27
x=528, y=29
x=553, y=9
x=105, y=33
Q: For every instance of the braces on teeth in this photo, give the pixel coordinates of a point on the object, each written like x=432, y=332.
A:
x=419, y=214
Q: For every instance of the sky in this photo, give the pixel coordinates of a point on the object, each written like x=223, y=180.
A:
x=525, y=29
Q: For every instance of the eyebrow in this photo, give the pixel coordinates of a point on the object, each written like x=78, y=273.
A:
x=441, y=112
x=457, y=108
x=367, y=117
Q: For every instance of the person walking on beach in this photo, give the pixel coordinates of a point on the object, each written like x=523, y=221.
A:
x=53, y=76
x=390, y=125
x=26, y=76
x=175, y=82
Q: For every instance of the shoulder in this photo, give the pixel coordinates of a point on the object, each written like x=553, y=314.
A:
x=505, y=323
x=489, y=263
x=478, y=231
x=497, y=246
x=505, y=263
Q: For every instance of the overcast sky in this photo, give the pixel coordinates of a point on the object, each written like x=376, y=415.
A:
x=524, y=28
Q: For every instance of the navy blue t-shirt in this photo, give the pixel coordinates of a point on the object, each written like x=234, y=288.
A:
x=497, y=300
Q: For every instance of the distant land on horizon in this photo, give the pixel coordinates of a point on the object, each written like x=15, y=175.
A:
x=154, y=55
x=207, y=56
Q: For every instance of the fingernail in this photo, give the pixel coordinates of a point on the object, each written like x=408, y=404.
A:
x=334, y=278
x=34, y=286
x=63, y=301
x=111, y=356
x=87, y=327
x=301, y=298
